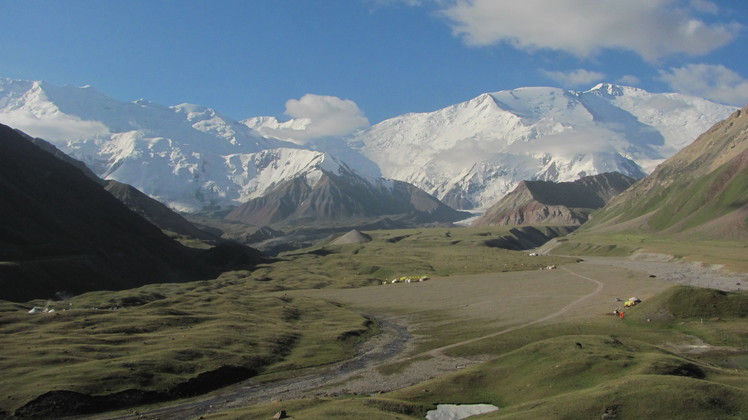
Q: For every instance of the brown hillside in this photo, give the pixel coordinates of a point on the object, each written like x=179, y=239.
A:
x=335, y=200
x=562, y=203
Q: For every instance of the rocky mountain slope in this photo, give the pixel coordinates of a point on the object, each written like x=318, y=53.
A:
x=342, y=198
x=701, y=191
x=186, y=156
x=62, y=232
x=155, y=212
x=147, y=207
x=552, y=203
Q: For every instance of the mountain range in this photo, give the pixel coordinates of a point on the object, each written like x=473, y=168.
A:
x=467, y=155
x=471, y=154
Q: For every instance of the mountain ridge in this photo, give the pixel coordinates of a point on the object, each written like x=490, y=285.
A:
x=551, y=203
x=62, y=232
x=342, y=198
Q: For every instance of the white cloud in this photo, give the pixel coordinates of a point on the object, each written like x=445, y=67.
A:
x=56, y=127
x=651, y=28
x=570, y=144
x=579, y=77
x=317, y=116
x=629, y=80
x=714, y=82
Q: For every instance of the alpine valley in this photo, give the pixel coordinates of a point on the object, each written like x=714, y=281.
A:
x=467, y=155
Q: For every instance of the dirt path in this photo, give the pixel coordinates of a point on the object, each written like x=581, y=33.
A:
x=358, y=375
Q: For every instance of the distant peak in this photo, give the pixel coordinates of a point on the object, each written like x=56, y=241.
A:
x=610, y=90
x=607, y=89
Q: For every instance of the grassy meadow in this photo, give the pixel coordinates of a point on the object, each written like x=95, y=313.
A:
x=682, y=353
x=158, y=336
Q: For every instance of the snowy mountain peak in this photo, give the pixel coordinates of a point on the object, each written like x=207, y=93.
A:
x=473, y=153
x=607, y=89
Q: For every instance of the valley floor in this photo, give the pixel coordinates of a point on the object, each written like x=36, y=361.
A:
x=410, y=350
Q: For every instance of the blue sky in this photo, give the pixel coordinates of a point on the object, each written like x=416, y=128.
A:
x=372, y=59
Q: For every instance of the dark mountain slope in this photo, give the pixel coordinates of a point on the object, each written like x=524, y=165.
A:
x=343, y=200
x=154, y=211
x=60, y=231
x=147, y=207
x=701, y=191
x=555, y=203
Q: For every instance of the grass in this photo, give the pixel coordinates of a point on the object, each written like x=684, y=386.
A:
x=643, y=366
x=433, y=252
x=681, y=202
x=289, y=317
x=158, y=336
x=565, y=376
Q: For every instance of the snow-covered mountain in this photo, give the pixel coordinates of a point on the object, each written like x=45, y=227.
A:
x=186, y=156
x=468, y=155
x=473, y=153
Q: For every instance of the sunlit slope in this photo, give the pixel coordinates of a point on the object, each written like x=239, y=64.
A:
x=700, y=192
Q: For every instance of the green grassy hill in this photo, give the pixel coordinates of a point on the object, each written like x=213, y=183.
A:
x=701, y=192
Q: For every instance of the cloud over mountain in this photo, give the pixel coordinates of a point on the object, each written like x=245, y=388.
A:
x=717, y=83
x=317, y=116
x=579, y=77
